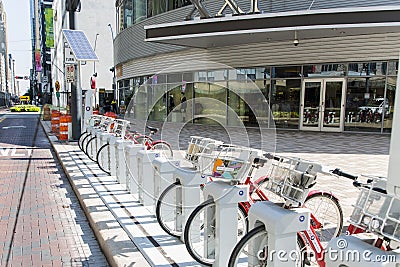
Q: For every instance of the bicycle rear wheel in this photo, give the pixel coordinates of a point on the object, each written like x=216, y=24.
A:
x=258, y=239
x=168, y=212
x=194, y=233
x=104, y=153
x=164, y=148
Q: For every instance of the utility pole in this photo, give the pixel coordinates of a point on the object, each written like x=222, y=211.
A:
x=76, y=94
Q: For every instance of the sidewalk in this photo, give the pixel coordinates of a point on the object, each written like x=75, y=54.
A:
x=116, y=244
x=41, y=222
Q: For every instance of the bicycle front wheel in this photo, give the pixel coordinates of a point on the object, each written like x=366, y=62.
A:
x=168, y=211
x=164, y=149
x=103, y=158
x=88, y=151
x=195, y=235
x=81, y=138
x=327, y=216
x=84, y=142
x=252, y=250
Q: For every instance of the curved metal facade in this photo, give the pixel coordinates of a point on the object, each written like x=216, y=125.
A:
x=130, y=44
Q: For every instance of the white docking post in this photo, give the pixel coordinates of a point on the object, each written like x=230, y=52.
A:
x=226, y=199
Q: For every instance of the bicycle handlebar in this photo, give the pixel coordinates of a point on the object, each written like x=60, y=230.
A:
x=343, y=174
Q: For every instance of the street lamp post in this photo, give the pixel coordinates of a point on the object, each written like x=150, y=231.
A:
x=13, y=77
x=94, y=70
x=94, y=49
x=113, y=68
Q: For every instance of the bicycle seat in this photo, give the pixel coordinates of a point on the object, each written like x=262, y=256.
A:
x=153, y=129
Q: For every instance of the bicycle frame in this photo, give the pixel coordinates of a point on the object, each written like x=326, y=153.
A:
x=309, y=236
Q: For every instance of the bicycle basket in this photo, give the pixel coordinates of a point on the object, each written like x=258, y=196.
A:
x=94, y=120
x=377, y=211
x=106, y=124
x=119, y=128
x=233, y=163
x=291, y=178
x=200, y=146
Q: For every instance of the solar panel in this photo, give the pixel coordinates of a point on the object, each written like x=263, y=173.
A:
x=80, y=45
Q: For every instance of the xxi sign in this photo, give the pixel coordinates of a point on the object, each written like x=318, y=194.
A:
x=236, y=10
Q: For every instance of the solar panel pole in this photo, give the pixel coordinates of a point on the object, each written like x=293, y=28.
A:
x=76, y=95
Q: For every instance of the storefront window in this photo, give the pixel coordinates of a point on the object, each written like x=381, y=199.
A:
x=139, y=106
x=364, y=104
x=324, y=70
x=285, y=100
x=158, y=111
x=128, y=13
x=393, y=67
x=369, y=101
x=174, y=78
x=248, y=103
x=174, y=4
x=156, y=7
x=286, y=72
x=263, y=73
x=188, y=77
x=179, y=104
x=244, y=74
x=389, y=105
x=367, y=69
x=139, y=10
x=207, y=111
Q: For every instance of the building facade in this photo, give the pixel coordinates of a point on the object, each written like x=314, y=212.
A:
x=321, y=65
x=98, y=23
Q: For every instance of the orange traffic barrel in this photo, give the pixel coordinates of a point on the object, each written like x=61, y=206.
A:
x=69, y=123
x=64, y=128
x=55, y=121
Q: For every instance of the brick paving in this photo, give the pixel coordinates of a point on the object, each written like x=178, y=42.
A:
x=41, y=221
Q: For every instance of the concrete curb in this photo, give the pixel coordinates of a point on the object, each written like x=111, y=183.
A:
x=111, y=239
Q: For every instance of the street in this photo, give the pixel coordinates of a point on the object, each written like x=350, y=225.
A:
x=41, y=221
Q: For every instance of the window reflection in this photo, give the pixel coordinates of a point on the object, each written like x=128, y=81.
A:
x=285, y=99
x=204, y=108
x=324, y=70
x=286, y=72
x=367, y=69
x=245, y=99
x=365, y=103
x=130, y=12
x=368, y=106
x=389, y=106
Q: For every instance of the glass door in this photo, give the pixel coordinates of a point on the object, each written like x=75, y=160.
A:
x=310, y=107
x=322, y=104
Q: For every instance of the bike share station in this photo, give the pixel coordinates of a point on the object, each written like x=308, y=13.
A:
x=165, y=188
